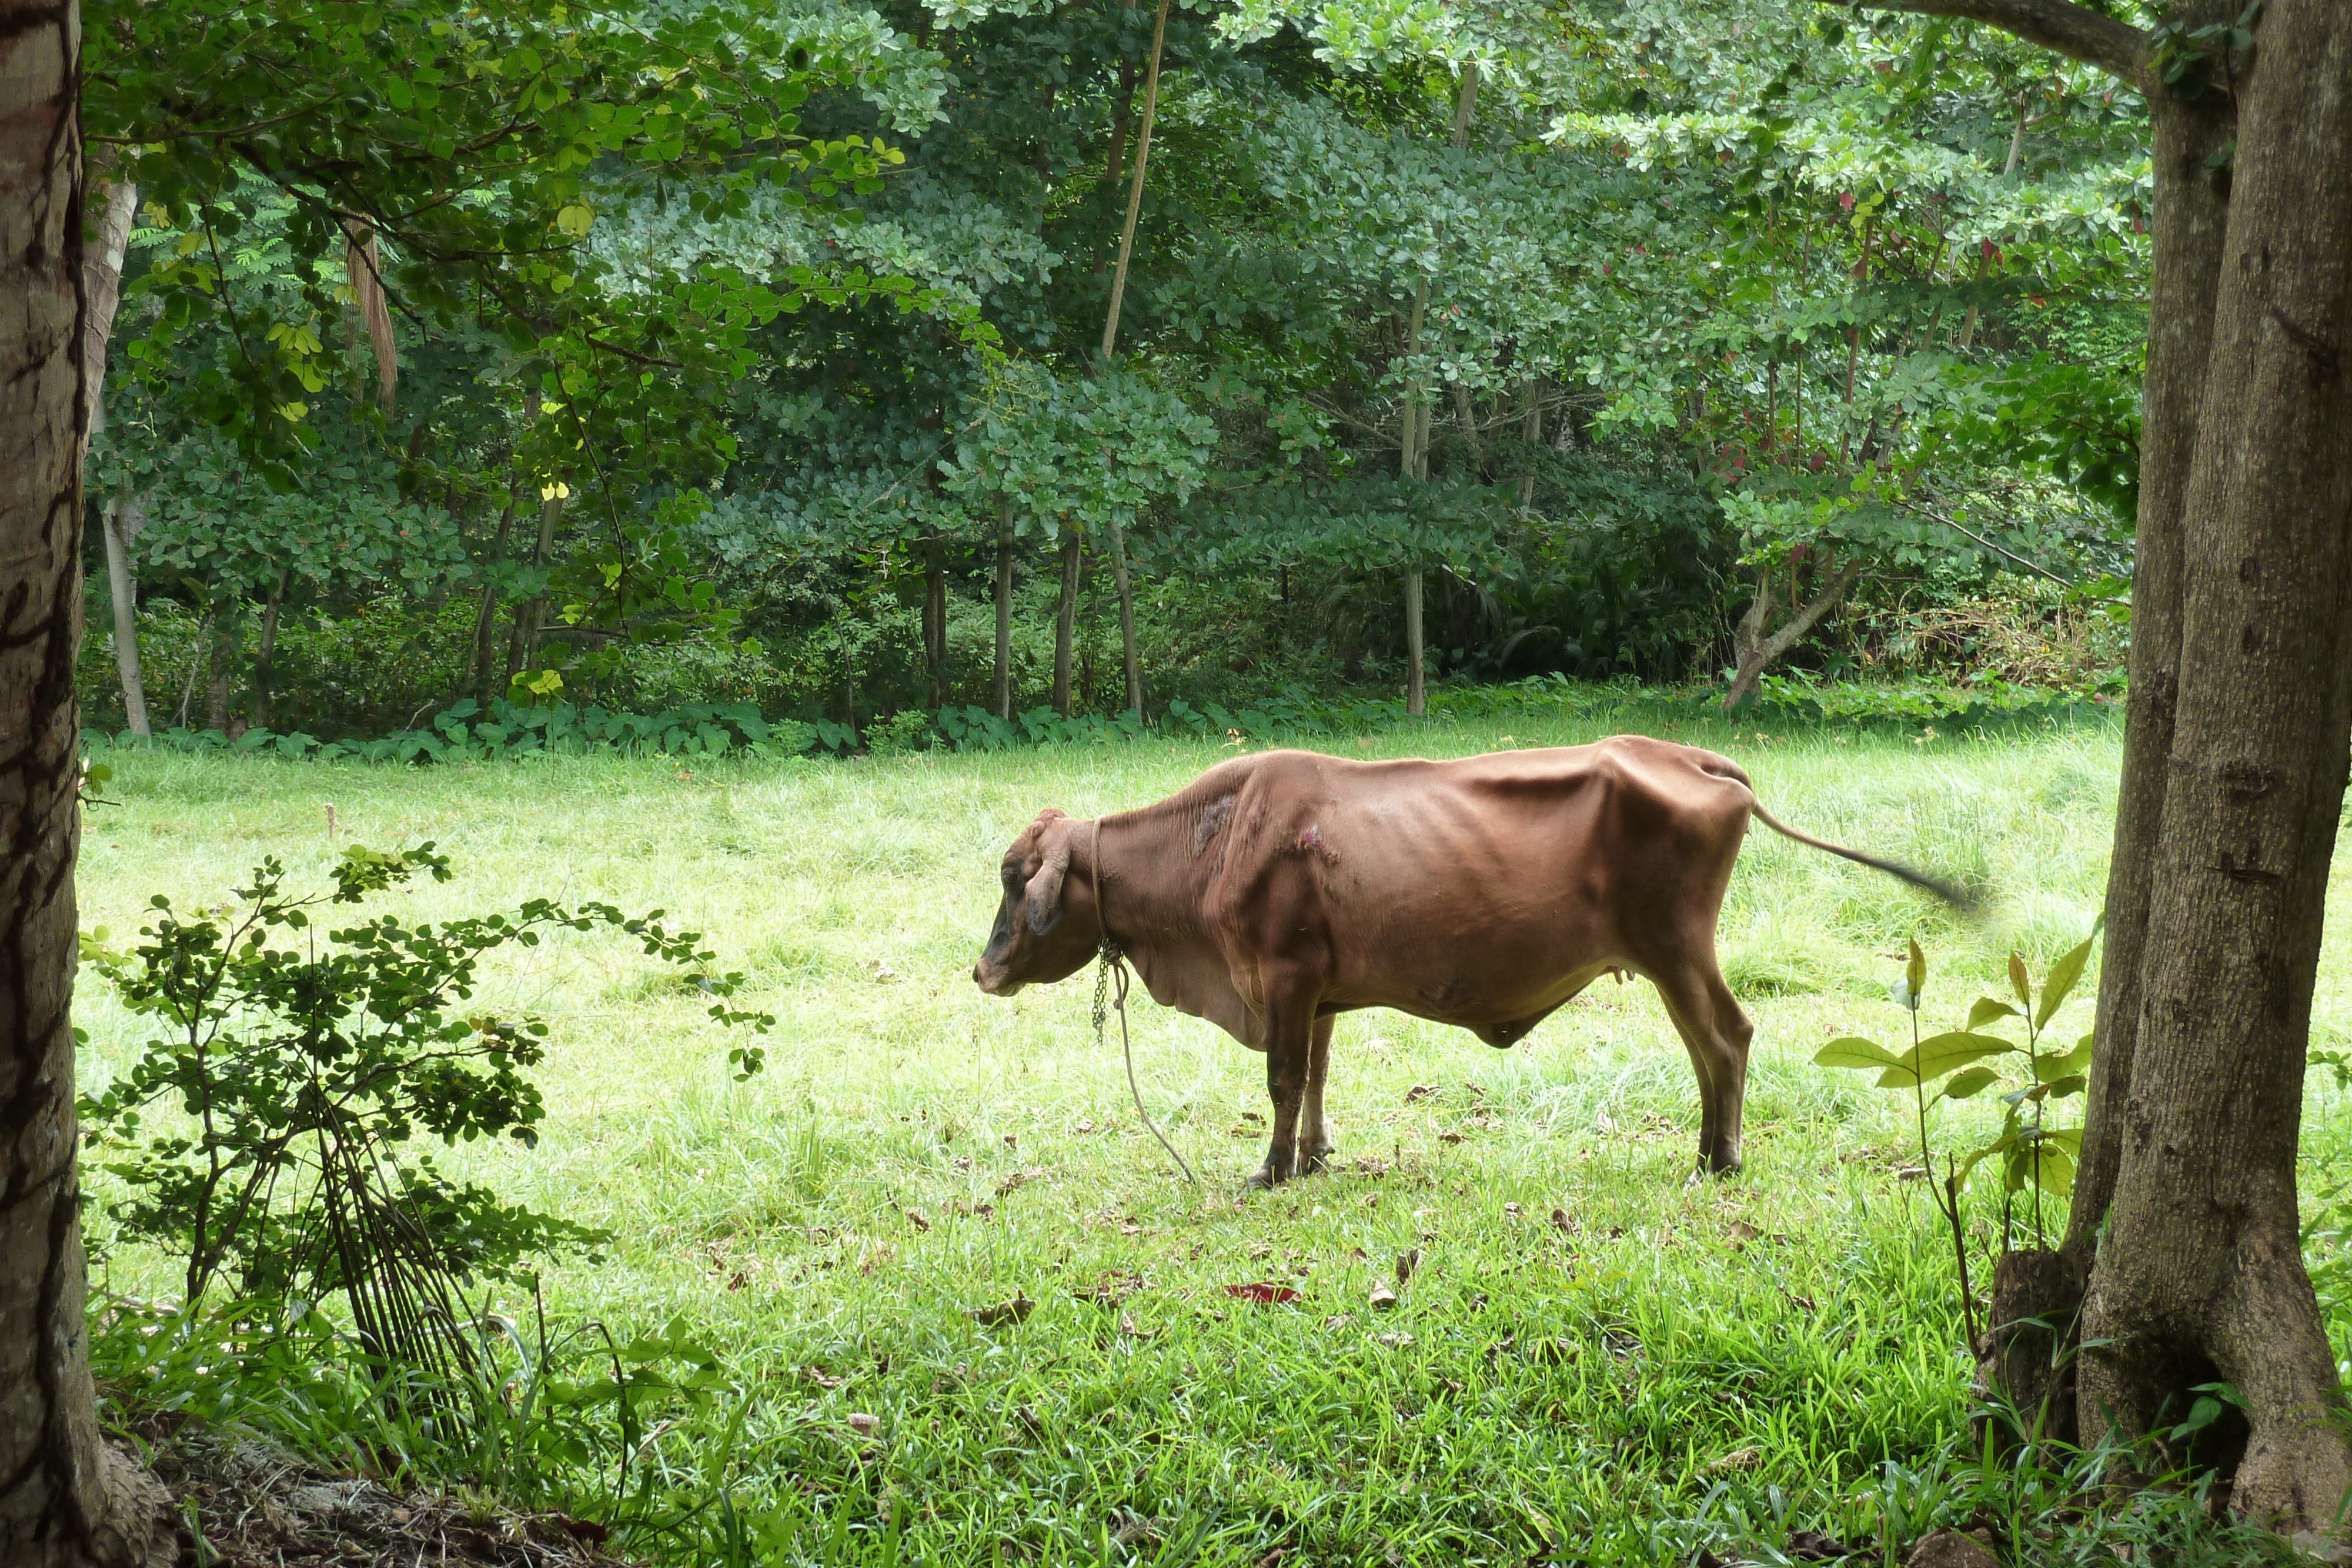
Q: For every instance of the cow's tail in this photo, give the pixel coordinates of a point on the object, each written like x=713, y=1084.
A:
x=1958, y=897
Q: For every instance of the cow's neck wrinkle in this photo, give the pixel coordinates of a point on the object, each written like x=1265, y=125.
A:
x=1150, y=888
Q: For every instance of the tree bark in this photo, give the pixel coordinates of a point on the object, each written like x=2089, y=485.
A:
x=1760, y=656
x=1413, y=459
x=1530, y=432
x=2192, y=204
x=121, y=525
x=1416, y=693
x=101, y=272
x=935, y=618
x=220, y=658
x=265, y=656
x=67, y=1498
x=2201, y=1272
x=1005, y=609
x=1129, y=652
x=1065, y=621
x=486, y=613
x=522, y=647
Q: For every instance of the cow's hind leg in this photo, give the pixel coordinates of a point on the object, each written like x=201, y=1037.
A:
x=1313, y=1127
x=1289, y=1049
x=1717, y=1034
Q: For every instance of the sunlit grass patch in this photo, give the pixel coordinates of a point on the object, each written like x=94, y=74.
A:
x=1660, y=1367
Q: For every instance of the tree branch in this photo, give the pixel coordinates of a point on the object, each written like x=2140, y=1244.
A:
x=2076, y=31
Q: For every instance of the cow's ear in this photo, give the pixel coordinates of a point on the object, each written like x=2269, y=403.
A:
x=1046, y=887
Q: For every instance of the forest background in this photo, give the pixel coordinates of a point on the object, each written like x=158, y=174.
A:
x=1671, y=343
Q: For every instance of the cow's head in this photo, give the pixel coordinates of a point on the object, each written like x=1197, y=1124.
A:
x=1046, y=926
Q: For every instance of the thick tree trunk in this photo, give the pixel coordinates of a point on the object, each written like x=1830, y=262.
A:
x=1065, y=621
x=2201, y=1275
x=1003, y=690
x=67, y=1500
x=2193, y=206
x=121, y=525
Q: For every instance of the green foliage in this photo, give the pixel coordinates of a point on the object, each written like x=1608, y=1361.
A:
x=2031, y=1155
x=264, y=1135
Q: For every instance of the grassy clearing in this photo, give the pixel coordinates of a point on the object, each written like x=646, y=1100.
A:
x=1670, y=1366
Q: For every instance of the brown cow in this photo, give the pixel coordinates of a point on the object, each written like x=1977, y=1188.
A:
x=1279, y=890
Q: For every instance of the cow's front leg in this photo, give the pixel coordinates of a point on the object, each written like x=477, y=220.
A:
x=1289, y=1047
x=1313, y=1127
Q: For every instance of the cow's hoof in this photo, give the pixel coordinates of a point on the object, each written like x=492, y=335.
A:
x=1260, y=1180
x=1318, y=1162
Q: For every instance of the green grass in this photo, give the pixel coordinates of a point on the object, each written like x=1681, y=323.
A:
x=1675, y=1365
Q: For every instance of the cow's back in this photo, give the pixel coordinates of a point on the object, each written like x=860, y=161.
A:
x=1484, y=887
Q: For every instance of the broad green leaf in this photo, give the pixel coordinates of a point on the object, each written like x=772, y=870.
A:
x=2074, y=1084
x=1940, y=1053
x=2067, y=1138
x=2061, y=980
x=1969, y=1081
x=2018, y=980
x=2049, y=1069
x=1852, y=1050
x=1987, y=1009
x=1914, y=973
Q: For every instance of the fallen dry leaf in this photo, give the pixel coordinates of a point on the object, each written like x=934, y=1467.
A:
x=1737, y=1459
x=1017, y=1179
x=1393, y=1341
x=1407, y=1261
x=919, y=1219
x=863, y=1423
x=1086, y=1126
x=1449, y=1136
x=1337, y=1321
x=1383, y=1299
x=1015, y=1310
x=1561, y=1219
x=1419, y=1091
x=1512, y=1211
x=1264, y=1292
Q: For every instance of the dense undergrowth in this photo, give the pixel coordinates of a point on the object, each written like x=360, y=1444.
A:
x=804, y=1342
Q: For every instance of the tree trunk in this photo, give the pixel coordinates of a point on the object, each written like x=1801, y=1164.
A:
x=2192, y=204
x=121, y=525
x=220, y=659
x=1530, y=432
x=486, y=613
x=1416, y=694
x=935, y=618
x=1761, y=656
x=1004, y=609
x=265, y=656
x=1413, y=458
x=1129, y=652
x=1466, y=414
x=1065, y=621
x=2201, y=1275
x=67, y=1498
x=102, y=273
x=522, y=647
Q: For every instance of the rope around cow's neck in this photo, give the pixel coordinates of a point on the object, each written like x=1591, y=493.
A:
x=1115, y=961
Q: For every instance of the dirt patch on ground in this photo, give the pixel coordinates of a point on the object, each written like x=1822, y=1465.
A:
x=255, y=1507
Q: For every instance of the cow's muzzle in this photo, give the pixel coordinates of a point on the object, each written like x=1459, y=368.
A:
x=996, y=983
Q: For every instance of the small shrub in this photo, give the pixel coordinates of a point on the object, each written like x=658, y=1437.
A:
x=304, y=1065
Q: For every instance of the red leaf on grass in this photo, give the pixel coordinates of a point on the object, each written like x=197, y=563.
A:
x=1264, y=1292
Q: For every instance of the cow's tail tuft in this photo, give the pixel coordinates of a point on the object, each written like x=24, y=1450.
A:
x=1966, y=899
